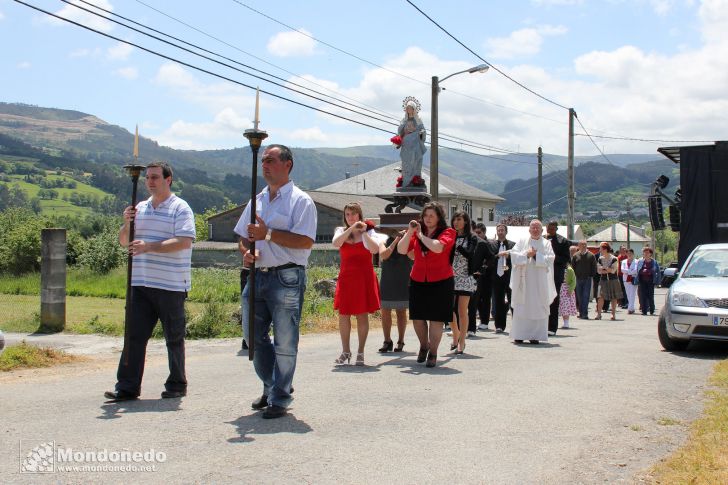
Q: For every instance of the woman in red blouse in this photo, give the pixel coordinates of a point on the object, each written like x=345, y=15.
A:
x=430, y=241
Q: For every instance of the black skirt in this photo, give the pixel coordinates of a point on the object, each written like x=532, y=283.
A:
x=431, y=301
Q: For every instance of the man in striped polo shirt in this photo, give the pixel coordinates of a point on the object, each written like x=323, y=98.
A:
x=162, y=251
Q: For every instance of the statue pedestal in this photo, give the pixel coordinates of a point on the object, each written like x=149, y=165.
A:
x=396, y=220
x=415, y=198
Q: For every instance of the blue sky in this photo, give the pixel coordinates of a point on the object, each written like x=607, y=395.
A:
x=655, y=69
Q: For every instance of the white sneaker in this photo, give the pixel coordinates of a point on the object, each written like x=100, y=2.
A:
x=471, y=333
x=551, y=334
x=483, y=326
x=449, y=333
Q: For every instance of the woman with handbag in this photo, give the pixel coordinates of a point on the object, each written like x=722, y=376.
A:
x=609, y=287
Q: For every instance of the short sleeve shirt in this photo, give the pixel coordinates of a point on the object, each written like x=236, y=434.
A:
x=292, y=210
x=166, y=271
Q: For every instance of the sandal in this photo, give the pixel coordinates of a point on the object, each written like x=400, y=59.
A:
x=613, y=318
x=399, y=347
x=359, y=358
x=453, y=346
x=431, y=360
x=598, y=317
x=387, y=347
x=344, y=358
x=422, y=355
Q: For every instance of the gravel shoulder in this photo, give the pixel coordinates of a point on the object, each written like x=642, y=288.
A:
x=598, y=403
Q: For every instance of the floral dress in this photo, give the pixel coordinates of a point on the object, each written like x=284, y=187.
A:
x=464, y=282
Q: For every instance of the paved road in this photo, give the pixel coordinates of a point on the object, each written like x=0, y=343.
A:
x=599, y=403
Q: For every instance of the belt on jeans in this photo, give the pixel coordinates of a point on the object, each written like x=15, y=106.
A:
x=283, y=266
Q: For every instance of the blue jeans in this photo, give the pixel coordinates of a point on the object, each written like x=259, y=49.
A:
x=583, y=295
x=278, y=303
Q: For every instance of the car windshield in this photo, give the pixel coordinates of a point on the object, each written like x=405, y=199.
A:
x=708, y=263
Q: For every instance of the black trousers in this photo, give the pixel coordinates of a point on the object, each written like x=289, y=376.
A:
x=480, y=301
x=554, y=309
x=647, y=297
x=148, y=306
x=501, y=288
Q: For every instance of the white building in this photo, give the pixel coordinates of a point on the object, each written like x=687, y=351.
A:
x=454, y=195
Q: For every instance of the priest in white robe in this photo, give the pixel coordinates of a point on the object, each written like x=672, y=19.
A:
x=532, y=285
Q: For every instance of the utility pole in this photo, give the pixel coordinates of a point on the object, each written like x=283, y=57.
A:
x=629, y=216
x=434, y=177
x=540, y=184
x=571, y=195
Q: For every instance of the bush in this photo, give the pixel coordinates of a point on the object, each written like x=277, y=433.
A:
x=101, y=253
x=20, y=244
x=215, y=321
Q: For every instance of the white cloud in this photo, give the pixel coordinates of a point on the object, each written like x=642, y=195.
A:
x=522, y=42
x=661, y=7
x=556, y=2
x=119, y=52
x=130, y=73
x=72, y=13
x=313, y=134
x=217, y=133
x=24, y=65
x=290, y=44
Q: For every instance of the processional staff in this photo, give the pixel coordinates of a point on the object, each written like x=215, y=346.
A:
x=255, y=138
x=134, y=170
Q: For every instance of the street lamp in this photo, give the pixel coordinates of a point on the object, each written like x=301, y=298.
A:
x=434, y=177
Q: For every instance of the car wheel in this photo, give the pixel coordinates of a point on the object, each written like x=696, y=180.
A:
x=667, y=342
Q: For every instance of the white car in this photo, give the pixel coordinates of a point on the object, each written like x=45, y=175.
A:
x=696, y=306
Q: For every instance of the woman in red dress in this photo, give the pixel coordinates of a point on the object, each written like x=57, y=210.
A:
x=357, y=289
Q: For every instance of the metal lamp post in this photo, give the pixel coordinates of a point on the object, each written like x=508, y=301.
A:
x=434, y=177
x=255, y=138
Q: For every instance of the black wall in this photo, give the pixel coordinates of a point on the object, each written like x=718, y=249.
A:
x=704, y=183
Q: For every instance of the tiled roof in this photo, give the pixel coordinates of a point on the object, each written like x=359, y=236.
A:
x=371, y=206
x=381, y=182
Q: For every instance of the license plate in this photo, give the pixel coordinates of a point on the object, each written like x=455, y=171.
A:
x=723, y=321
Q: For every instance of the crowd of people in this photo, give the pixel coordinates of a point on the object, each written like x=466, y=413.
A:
x=440, y=275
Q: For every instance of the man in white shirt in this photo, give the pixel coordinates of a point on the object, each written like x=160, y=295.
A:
x=284, y=234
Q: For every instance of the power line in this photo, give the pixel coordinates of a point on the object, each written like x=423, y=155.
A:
x=273, y=19
x=488, y=63
x=327, y=44
x=528, y=186
x=222, y=63
x=642, y=139
x=533, y=209
x=445, y=136
x=197, y=68
x=214, y=74
x=249, y=54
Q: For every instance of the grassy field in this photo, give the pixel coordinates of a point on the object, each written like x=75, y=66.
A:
x=25, y=356
x=704, y=458
x=95, y=303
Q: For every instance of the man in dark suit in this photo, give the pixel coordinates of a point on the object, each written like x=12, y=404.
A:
x=502, y=277
x=480, y=301
x=562, y=255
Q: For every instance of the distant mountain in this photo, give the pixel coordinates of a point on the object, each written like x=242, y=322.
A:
x=81, y=136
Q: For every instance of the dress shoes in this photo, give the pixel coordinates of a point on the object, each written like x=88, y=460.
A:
x=260, y=403
x=273, y=411
x=173, y=394
x=118, y=396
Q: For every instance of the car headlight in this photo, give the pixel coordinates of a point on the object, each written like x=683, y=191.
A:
x=687, y=299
